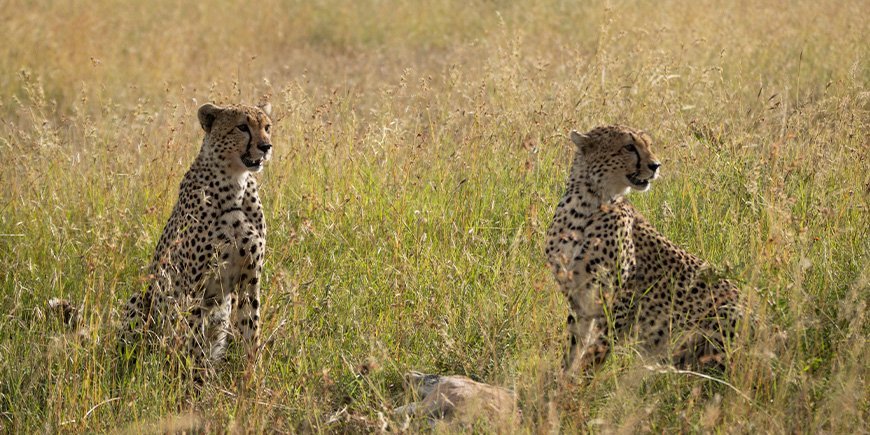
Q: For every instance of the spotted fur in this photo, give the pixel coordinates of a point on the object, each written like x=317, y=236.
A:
x=622, y=278
x=205, y=273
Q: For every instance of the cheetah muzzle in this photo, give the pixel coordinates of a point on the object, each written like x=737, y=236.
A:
x=637, y=182
x=253, y=165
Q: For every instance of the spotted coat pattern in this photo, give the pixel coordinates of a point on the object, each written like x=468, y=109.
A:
x=623, y=279
x=205, y=273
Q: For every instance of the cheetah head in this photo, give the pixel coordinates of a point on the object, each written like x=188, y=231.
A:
x=240, y=136
x=617, y=158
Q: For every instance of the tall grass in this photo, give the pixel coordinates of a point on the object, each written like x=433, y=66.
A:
x=420, y=150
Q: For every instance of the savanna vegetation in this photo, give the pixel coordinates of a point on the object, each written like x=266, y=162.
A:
x=420, y=148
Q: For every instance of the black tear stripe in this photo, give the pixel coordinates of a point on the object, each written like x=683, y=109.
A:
x=637, y=165
x=636, y=153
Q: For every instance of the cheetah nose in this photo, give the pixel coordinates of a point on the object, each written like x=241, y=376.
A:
x=654, y=166
x=264, y=147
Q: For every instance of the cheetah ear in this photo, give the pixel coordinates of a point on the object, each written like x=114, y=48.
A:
x=581, y=140
x=266, y=108
x=207, y=113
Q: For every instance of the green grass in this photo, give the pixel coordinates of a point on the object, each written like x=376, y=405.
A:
x=420, y=151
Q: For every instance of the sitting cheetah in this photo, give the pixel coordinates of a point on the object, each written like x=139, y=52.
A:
x=622, y=278
x=205, y=273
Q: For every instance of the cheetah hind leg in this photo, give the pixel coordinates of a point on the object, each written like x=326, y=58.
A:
x=700, y=351
x=141, y=323
x=133, y=323
x=140, y=314
x=131, y=332
x=207, y=339
x=705, y=348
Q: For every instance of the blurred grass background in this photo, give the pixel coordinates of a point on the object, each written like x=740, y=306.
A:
x=420, y=150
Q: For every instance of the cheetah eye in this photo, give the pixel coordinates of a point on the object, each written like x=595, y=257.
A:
x=631, y=148
x=243, y=128
x=268, y=128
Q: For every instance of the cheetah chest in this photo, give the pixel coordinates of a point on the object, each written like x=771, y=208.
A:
x=585, y=241
x=239, y=243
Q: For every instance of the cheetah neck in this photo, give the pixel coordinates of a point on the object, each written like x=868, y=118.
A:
x=584, y=188
x=220, y=176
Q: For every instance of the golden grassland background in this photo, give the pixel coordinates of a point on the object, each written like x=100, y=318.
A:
x=420, y=150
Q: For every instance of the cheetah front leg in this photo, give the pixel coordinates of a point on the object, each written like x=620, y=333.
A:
x=588, y=343
x=209, y=317
x=207, y=340
x=246, y=313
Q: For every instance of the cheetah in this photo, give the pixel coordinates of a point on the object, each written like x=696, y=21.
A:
x=622, y=278
x=205, y=272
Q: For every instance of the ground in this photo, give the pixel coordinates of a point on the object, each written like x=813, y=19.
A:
x=419, y=152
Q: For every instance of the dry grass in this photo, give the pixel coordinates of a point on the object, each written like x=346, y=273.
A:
x=420, y=152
